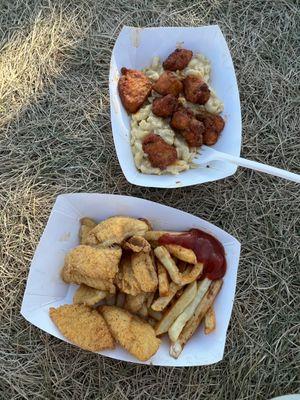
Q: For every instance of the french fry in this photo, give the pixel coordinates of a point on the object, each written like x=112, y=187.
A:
x=163, y=280
x=182, y=253
x=120, y=299
x=193, y=323
x=134, y=303
x=209, y=321
x=180, y=305
x=161, y=302
x=89, y=296
x=137, y=244
x=153, y=236
x=180, y=279
x=157, y=315
x=177, y=326
x=111, y=300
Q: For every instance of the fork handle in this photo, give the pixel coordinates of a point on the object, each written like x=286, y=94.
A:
x=243, y=162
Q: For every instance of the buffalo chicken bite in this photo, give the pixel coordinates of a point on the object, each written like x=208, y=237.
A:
x=195, y=90
x=168, y=83
x=164, y=106
x=178, y=60
x=134, y=88
x=160, y=153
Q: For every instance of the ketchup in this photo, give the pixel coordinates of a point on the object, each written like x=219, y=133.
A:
x=208, y=250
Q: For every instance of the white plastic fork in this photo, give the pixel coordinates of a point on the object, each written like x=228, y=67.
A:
x=208, y=154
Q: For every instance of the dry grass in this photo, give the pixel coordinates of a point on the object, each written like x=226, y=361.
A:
x=55, y=137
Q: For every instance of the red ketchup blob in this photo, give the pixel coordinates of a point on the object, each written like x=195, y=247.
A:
x=208, y=250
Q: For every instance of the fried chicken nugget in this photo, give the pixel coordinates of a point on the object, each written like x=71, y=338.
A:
x=194, y=134
x=115, y=230
x=134, y=88
x=196, y=90
x=95, y=267
x=181, y=119
x=164, y=106
x=213, y=126
x=83, y=326
x=178, y=60
x=168, y=83
x=89, y=296
x=131, y=332
x=160, y=153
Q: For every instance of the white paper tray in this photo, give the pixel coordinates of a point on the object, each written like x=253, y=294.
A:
x=45, y=288
x=135, y=48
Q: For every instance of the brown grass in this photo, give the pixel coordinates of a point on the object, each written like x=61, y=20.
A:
x=55, y=137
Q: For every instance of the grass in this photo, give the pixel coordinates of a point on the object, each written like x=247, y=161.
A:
x=55, y=137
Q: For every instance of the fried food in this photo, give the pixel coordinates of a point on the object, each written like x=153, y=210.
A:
x=209, y=321
x=181, y=119
x=195, y=90
x=132, y=333
x=134, y=303
x=179, y=278
x=111, y=299
x=125, y=279
x=134, y=89
x=178, y=60
x=194, y=134
x=120, y=300
x=115, y=230
x=177, y=326
x=164, y=106
x=83, y=326
x=137, y=244
x=195, y=320
x=163, y=280
x=144, y=271
x=86, y=225
x=95, y=267
x=153, y=236
x=157, y=315
x=168, y=83
x=160, y=153
x=89, y=296
x=182, y=253
x=213, y=126
x=179, y=306
x=161, y=302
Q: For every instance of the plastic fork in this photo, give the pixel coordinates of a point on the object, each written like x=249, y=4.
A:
x=208, y=154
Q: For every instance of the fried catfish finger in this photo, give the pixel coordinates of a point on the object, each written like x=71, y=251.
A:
x=87, y=295
x=168, y=83
x=178, y=60
x=144, y=271
x=134, y=88
x=131, y=332
x=115, y=230
x=83, y=326
x=160, y=153
x=86, y=225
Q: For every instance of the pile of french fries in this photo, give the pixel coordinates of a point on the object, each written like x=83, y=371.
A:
x=160, y=284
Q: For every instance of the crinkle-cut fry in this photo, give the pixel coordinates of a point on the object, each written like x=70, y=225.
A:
x=134, y=303
x=86, y=225
x=177, y=326
x=153, y=236
x=163, y=280
x=144, y=271
x=89, y=296
x=111, y=300
x=157, y=315
x=193, y=323
x=137, y=244
x=181, y=253
x=184, y=300
x=161, y=302
x=209, y=321
x=120, y=301
x=184, y=278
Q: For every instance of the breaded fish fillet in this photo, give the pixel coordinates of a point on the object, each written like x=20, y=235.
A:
x=89, y=296
x=125, y=280
x=83, y=326
x=116, y=229
x=96, y=267
x=144, y=271
x=134, y=334
x=86, y=225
